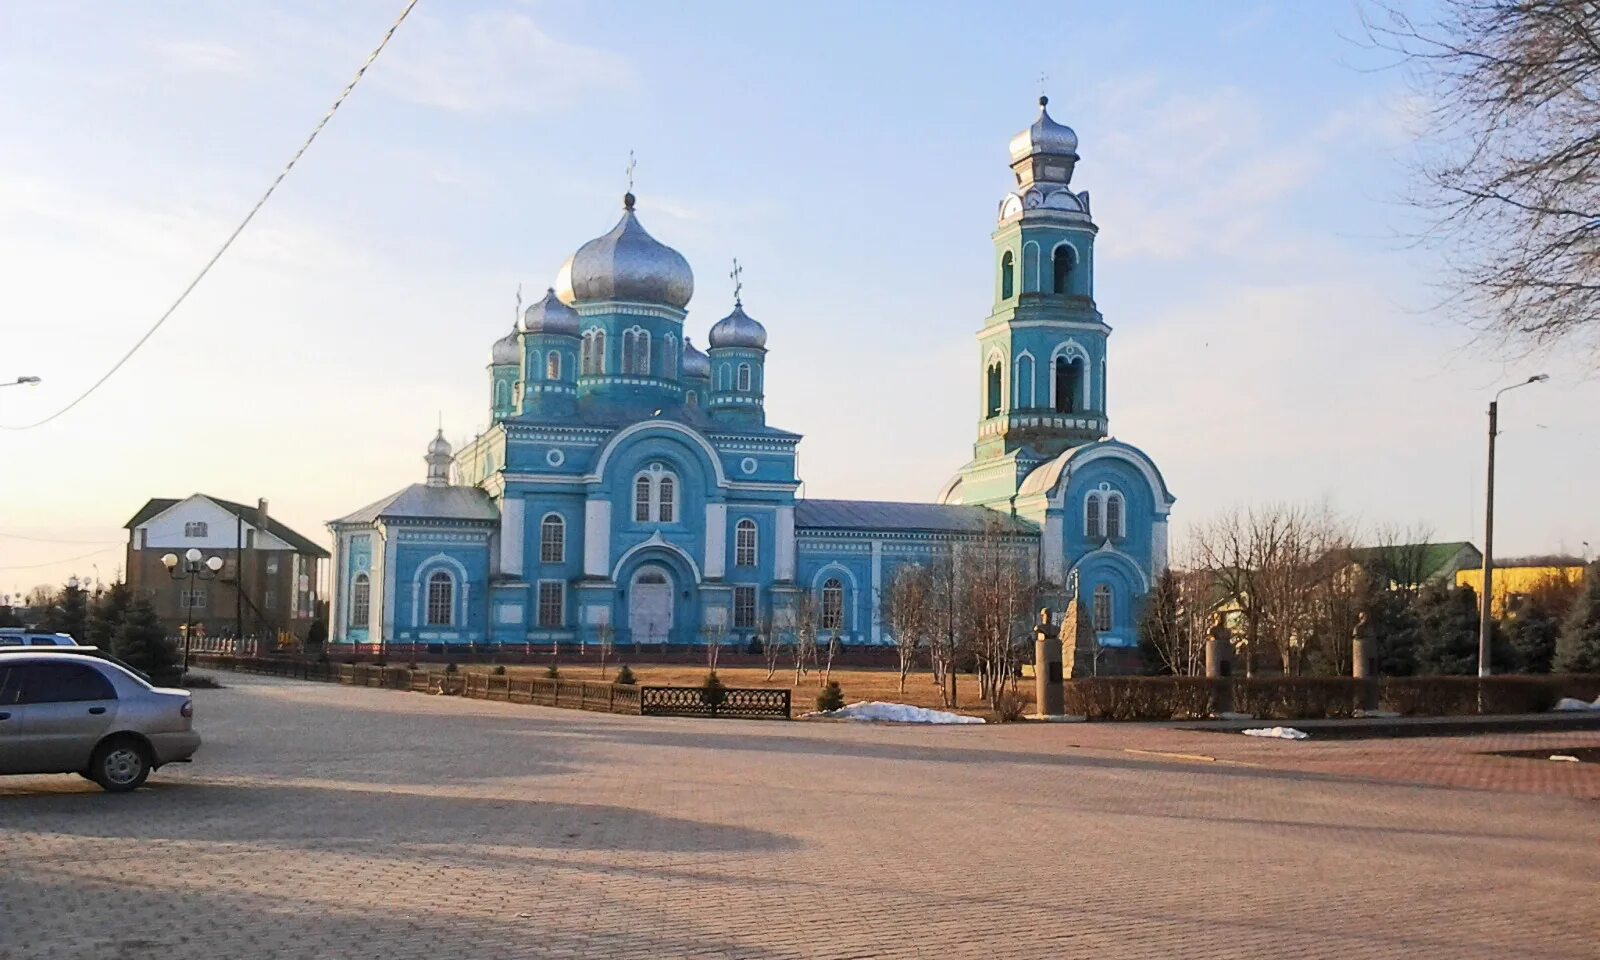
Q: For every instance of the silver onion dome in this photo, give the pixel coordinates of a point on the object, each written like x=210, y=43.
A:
x=626, y=264
x=1044, y=137
x=550, y=315
x=506, y=351
x=438, y=460
x=695, y=363
x=738, y=329
x=439, y=446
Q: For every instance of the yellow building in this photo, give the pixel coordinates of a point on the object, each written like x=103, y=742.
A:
x=1517, y=579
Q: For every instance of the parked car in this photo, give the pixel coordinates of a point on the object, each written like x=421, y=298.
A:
x=14, y=637
x=68, y=711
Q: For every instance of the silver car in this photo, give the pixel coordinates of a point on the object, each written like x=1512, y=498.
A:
x=71, y=712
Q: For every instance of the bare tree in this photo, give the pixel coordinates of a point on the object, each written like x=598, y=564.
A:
x=805, y=616
x=945, y=645
x=1399, y=558
x=1509, y=171
x=908, y=609
x=770, y=648
x=714, y=633
x=996, y=595
x=605, y=636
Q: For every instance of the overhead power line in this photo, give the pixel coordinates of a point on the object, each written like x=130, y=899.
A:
x=338, y=101
x=81, y=543
x=52, y=563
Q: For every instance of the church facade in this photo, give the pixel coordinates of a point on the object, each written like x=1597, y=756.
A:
x=630, y=486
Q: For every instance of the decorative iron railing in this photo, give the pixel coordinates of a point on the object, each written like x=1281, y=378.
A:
x=744, y=702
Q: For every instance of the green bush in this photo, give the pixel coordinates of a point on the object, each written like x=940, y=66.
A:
x=831, y=697
x=1138, y=698
x=552, y=672
x=712, y=692
x=625, y=676
x=451, y=667
x=1296, y=698
x=499, y=670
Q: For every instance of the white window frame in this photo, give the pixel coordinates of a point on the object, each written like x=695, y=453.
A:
x=666, y=504
x=428, y=610
x=1103, y=608
x=832, y=621
x=559, y=540
x=360, y=600
x=552, y=365
x=1093, y=517
x=746, y=592
x=744, y=379
x=196, y=528
x=657, y=508
x=643, y=507
x=746, y=554
x=557, y=588
x=1118, y=528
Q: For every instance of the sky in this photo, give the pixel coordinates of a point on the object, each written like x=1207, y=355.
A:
x=1276, y=337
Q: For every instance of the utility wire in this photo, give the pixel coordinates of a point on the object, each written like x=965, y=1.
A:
x=35, y=566
x=339, y=101
x=81, y=543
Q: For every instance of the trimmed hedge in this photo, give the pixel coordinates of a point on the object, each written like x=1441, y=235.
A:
x=1305, y=698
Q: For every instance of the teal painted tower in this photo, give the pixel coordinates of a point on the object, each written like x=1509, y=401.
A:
x=1042, y=349
x=549, y=356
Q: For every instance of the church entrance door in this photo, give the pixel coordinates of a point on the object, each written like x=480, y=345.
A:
x=650, y=606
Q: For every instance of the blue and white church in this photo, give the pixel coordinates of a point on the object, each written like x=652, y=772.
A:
x=630, y=485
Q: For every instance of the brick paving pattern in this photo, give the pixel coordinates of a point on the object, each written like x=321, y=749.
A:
x=329, y=822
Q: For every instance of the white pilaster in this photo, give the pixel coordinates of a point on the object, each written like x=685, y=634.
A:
x=1053, y=549
x=336, y=592
x=597, y=538
x=877, y=588
x=716, y=563
x=385, y=629
x=511, y=529
x=1158, y=547
x=783, y=558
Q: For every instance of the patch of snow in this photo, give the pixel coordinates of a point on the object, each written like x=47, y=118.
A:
x=1572, y=703
x=1569, y=758
x=879, y=712
x=1282, y=733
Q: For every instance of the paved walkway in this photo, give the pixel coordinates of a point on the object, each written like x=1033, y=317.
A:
x=333, y=822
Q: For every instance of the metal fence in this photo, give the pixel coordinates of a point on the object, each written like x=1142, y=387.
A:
x=540, y=691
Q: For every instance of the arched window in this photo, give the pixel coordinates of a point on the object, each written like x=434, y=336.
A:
x=1091, y=517
x=669, y=358
x=1022, y=373
x=992, y=405
x=1114, y=526
x=585, y=355
x=693, y=399
x=1102, y=607
x=832, y=605
x=552, y=539
x=360, y=601
x=641, y=353
x=594, y=353
x=502, y=393
x=744, y=378
x=724, y=377
x=744, y=544
x=552, y=365
x=641, y=499
x=1069, y=373
x=667, y=504
x=441, y=599
x=1061, y=261
x=1007, y=276
x=627, y=351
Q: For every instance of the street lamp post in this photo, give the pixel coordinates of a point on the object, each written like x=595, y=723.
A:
x=1485, y=624
x=191, y=569
x=21, y=382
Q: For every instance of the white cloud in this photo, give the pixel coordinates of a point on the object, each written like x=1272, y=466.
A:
x=494, y=61
x=199, y=56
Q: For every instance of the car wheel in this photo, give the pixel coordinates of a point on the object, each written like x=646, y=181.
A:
x=120, y=765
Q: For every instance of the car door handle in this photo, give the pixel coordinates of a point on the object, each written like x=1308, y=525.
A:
x=97, y=710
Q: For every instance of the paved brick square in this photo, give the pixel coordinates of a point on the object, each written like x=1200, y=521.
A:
x=331, y=822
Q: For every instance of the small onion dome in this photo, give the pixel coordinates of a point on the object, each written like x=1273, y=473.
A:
x=439, y=447
x=506, y=352
x=626, y=264
x=738, y=329
x=438, y=460
x=550, y=315
x=1045, y=136
x=695, y=363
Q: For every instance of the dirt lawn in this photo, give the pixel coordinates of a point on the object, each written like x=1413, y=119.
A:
x=856, y=684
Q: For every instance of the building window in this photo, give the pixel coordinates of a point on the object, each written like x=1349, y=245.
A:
x=1114, y=527
x=724, y=377
x=1061, y=263
x=669, y=358
x=360, y=600
x=1091, y=517
x=992, y=407
x=744, y=378
x=636, y=351
x=552, y=603
x=1068, y=375
x=192, y=599
x=441, y=599
x=1007, y=272
x=693, y=399
x=552, y=365
x=641, y=499
x=832, y=605
x=552, y=539
x=666, y=506
x=1102, y=608
x=502, y=393
x=195, y=529
x=269, y=599
x=744, y=543
x=592, y=358
x=744, y=608
x=272, y=565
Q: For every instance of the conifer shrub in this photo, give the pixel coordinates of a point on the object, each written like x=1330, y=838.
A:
x=499, y=670
x=831, y=697
x=552, y=672
x=625, y=676
x=451, y=667
x=712, y=691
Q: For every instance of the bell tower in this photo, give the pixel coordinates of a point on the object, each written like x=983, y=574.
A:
x=1042, y=349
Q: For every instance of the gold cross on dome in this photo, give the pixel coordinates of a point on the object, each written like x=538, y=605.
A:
x=737, y=275
x=631, y=164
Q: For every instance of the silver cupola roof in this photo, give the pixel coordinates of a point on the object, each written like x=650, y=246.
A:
x=626, y=264
x=506, y=352
x=738, y=329
x=550, y=315
x=695, y=363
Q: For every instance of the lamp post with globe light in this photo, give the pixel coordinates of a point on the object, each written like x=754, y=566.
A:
x=188, y=571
